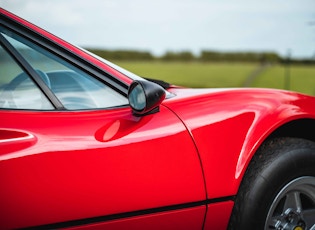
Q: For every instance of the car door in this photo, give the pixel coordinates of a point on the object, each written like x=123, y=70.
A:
x=72, y=154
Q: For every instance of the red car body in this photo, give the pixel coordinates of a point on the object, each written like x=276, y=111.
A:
x=179, y=168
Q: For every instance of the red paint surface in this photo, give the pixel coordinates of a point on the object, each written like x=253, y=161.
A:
x=187, y=219
x=218, y=215
x=69, y=173
x=229, y=125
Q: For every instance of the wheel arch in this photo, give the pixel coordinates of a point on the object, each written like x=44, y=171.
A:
x=293, y=128
x=296, y=128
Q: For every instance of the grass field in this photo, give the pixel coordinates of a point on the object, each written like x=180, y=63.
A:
x=301, y=78
x=193, y=74
x=197, y=74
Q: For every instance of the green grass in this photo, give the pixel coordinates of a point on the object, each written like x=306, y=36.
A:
x=193, y=74
x=300, y=78
x=197, y=74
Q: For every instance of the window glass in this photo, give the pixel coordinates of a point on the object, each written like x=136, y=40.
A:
x=74, y=88
x=17, y=90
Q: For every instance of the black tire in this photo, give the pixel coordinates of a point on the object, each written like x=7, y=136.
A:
x=278, y=188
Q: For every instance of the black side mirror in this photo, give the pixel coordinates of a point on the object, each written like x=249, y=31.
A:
x=145, y=97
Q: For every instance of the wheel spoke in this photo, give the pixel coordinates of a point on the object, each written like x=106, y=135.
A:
x=293, y=201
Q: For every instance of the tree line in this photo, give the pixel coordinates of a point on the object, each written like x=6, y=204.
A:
x=205, y=56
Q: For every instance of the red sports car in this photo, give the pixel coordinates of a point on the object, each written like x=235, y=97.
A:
x=85, y=144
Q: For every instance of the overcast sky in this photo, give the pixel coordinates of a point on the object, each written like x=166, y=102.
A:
x=177, y=25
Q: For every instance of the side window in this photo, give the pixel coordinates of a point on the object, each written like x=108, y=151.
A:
x=17, y=90
x=74, y=88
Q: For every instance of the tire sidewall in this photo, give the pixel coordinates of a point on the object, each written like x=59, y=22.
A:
x=282, y=165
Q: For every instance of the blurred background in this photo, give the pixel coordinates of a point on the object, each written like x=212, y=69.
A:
x=194, y=43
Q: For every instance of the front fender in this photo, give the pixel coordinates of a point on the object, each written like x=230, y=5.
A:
x=229, y=125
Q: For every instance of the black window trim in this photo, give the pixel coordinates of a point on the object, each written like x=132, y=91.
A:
x=31, y=72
